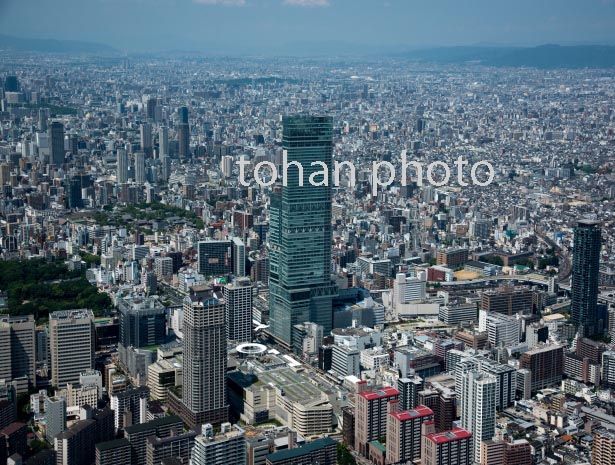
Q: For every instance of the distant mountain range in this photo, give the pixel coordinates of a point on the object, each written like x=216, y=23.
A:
x=543, y=56
x=53, y=46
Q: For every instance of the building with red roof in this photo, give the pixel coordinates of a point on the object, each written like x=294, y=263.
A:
x=447, y=448
x=404, y=433
x=371, y=408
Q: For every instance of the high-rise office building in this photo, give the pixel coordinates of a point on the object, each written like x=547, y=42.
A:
x=183, y=132
x=5, y=174
x=142, y=322
x=238, y=257
x=183, y=136
x=163, y=153
x=140, y=176
x=5, y=348
x=214, y=258
x=163, y=266
x=478, y=408
x=17, y=337
x=151, y=109
x=43, y=116
x=227, y=447
x=205, y=359
x=406, y=289
x=56, y=143
x=585, y=276
x=73, y=144
x=55, y=417
x=226, y=166
x=238, y=301
x=507, y=300
x=300, y=231
x=163, y=142
x=146, y=139
x=11, y=84
x=183, y=115
x=122, y=166
x=73, y=193
x=178, y=259
x=501, y=329
x=345, y=360
x=71, y=344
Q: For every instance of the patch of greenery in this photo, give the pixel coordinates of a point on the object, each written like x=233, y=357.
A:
x=104, y=219
x=530, y=263
x=36, y=287
x=549, y=261
x=157, y=210
x=494, y=260
x=588, y=169
x=54, y=110
x=270, y=421
x=36, y=446
x=90, y=259
x=37, y=270
x=344, y=456
x=602, y=338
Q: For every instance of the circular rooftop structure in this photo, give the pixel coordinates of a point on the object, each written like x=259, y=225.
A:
x=250, y=349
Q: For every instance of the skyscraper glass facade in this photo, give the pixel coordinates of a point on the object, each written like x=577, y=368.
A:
x=585, y=275
x=300, y=231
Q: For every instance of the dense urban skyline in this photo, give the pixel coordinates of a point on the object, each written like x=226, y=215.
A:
x=377, y=254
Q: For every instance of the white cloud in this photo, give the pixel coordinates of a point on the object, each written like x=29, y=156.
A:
x=221, y=2
x=306, y=2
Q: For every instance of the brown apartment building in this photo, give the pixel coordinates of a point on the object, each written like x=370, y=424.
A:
x=452, y=258
x=546, y=365
x=507, y=300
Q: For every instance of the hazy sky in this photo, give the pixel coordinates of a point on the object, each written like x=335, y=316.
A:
x=271, y=25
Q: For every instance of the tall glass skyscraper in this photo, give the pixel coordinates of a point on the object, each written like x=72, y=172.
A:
x=585, y=275
x=300, y=231
x=56, y=144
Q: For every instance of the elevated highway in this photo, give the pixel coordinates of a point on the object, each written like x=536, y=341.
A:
x=533, y=278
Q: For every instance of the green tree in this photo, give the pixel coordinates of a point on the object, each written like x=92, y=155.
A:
x=37, y=287
x=344, y=457
x=36, y=445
